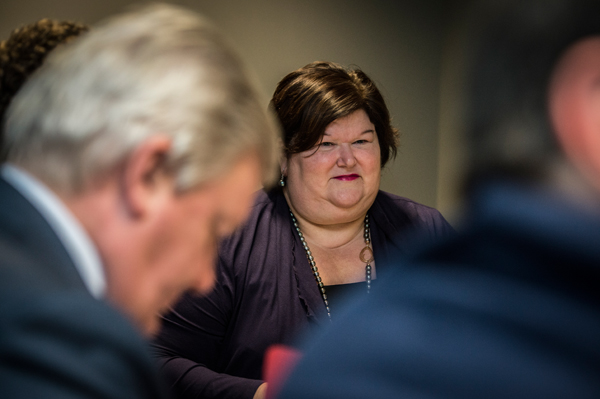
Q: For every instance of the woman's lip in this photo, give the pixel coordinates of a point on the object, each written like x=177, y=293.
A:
x=347, y=177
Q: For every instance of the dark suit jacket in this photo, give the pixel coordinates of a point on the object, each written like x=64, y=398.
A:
x=213, y=346
x=56, y=340
x=509, y=308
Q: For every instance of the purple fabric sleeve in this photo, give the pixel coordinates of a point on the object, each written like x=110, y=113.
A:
x=213, y=346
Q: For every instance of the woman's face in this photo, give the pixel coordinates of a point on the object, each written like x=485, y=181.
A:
x=336, y=181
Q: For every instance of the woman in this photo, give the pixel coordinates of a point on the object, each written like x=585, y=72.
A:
x=320, y=233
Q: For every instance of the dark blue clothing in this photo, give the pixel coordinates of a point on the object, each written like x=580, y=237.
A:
x=213, y=346
x=508, y=308
x=56, y=340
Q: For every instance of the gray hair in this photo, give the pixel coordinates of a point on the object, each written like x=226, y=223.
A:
x=158, y=70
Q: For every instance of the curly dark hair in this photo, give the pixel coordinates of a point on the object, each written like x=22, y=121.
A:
x=25, y=50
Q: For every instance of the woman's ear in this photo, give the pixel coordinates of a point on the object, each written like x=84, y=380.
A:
x=283, y=164
x=574, y=104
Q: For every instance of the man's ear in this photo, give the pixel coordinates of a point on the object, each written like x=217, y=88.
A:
x=143, y=178
x=574, y=104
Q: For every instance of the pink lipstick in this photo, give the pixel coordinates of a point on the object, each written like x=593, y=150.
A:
x=350, y=177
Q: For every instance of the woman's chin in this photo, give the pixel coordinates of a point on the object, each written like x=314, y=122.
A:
x=347, y=200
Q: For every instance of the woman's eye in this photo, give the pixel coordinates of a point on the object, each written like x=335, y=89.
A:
x=360, y=142
x=326, y=144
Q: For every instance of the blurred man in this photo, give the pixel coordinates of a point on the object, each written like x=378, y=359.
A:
x=511, y=307
x=130, y=153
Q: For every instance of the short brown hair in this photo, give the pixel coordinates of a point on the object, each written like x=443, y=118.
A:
x=310, y=98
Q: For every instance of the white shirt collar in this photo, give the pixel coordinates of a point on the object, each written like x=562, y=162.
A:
x=71, y=233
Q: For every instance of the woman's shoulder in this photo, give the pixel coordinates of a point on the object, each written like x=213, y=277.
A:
x=402, y=210
x=268, y=214
x=402, y=204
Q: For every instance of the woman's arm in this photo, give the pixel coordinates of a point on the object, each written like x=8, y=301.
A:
x=189, y=344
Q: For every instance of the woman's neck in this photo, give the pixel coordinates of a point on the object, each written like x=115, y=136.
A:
x=330, y=235
x=336, y=247
x=334, y=236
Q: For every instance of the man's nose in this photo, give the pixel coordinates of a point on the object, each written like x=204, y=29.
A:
x=205, y=283
x=205, y=273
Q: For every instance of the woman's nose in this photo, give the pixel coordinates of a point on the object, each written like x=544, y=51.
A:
x=346, y=156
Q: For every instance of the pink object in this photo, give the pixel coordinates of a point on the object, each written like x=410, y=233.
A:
x=277, y=367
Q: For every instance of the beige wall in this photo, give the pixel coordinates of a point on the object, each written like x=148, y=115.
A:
x=452, y=148
x=398, y=43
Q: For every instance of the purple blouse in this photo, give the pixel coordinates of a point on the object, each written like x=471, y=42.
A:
x=212, y=346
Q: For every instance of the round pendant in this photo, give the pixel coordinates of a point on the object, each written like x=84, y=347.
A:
x=366, y=255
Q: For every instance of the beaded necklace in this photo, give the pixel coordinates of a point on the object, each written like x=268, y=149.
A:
x=366, y=255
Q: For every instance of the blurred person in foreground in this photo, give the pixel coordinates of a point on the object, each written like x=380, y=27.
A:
x=130, y=152
x=318, y=237
x=510, y=308
x=24, y=52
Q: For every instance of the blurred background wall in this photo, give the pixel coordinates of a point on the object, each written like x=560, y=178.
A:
x=410, y=48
